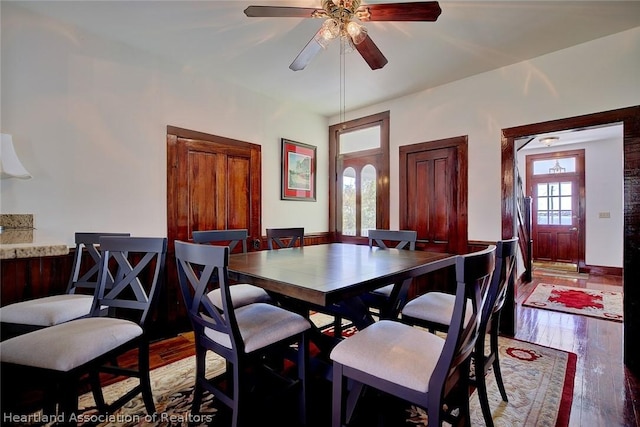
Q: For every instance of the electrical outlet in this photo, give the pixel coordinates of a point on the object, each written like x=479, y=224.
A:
x=604, y=214
x=256, y=244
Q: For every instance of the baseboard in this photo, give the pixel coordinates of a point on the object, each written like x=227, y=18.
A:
x=598, y=270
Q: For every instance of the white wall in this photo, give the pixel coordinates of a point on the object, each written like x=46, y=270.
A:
x=88, y=118
x=597, y=76
x=604, y=192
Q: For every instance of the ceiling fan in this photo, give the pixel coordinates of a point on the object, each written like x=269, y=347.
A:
x=339, y=22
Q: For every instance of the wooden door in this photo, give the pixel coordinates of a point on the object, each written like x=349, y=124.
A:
x=433, y=194
x=555, y=182
x=212, y=183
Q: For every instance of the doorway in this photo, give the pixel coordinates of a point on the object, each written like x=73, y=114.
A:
x=556, y=184
x=630, y=119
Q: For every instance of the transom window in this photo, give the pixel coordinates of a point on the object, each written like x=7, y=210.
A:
x=560, y=165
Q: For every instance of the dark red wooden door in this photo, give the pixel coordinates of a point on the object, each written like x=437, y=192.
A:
x=433, y=194
x=212, y=183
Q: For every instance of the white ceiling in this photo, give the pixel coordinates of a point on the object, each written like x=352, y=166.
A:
x=469, y=37
x=576, y=136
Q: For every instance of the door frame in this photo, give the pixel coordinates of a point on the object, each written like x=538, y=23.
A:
x=630, y=118
x=579, y=176
x=177, y=223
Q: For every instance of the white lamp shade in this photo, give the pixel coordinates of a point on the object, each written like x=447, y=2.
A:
x=10, y=166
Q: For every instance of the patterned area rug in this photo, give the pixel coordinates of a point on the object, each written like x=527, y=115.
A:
x=538, y=380
x=539, y=385
x=586, y=302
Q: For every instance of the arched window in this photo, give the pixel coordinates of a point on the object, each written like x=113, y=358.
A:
x=359, y=200
x=368, y=193
x=349, y=202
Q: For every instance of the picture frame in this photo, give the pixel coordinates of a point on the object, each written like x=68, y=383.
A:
x=298, y=171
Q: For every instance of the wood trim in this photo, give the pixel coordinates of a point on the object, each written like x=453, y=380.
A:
x=598, y=270
x=383, y=119
x=630, y=118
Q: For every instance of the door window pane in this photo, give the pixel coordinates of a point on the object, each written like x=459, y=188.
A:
x=554, y=203
x=543, y=218
x=542, y=190
x=349, y=202
x=368, y=201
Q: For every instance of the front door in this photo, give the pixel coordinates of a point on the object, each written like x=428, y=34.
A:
x=555, y=183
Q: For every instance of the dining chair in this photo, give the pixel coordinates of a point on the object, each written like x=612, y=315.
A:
x=245, y=336
x=430, y=311
x=389, y=300
x=241, y=293
x=291, y=236
x=60, y=355
x=30, y=315
x=413, y=364
x=386, y=301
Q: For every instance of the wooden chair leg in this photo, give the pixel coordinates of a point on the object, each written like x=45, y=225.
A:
x=68, y=399
x=96, y=390
x=50, y=392
x=145, y=379
x=198, y=389
x=482, y=396
x=239, y=393
x=339, y=389
x=496, y=364
x=303, y=360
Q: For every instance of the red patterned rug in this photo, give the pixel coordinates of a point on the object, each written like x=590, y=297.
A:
x=586, y=302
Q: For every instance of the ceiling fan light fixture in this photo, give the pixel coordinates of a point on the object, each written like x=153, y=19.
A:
x=330, y=30
x=357, y=32
x=347, y=45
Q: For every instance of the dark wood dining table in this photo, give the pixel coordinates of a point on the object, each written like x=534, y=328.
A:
x=334, y=275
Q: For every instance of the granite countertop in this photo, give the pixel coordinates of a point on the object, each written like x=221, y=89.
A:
x=27, y=243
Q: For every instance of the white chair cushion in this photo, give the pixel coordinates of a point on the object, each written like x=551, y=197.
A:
x=436, y=307
x=47, y=311
x=261, y=325
x=392, y=351
x=385, y=290
x=241, y=294
x=69, y=345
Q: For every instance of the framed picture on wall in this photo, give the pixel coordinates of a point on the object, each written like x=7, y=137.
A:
x=298, y=171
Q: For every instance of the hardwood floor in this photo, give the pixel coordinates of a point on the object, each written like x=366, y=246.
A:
x=605, y=393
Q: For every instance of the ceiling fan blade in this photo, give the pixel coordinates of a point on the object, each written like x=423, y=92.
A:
x=371, y=53
x=306, y=54
x=418, y=11
x=281, y=12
